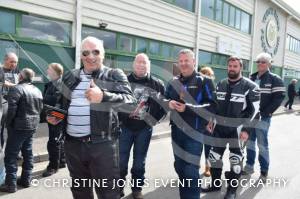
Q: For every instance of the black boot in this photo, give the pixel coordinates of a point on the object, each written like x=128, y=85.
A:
x=215, y=186
x=23, y=183
x=49, y=172
x=8, y=188
x=230, y=194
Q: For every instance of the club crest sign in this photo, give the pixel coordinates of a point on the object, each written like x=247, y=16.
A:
x=270, y=32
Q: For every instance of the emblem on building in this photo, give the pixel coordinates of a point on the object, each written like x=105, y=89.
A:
x=270, y=38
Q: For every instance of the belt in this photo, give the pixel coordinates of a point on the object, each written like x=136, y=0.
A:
x=84, y=139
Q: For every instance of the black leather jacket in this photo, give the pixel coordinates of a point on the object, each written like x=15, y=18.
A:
x=103, y=116
x=196, y=91
x=25, y=103
x=52, y=92
x=238, y=104
x=272, y=92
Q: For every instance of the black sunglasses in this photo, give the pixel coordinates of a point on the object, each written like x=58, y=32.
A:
x=88, y=52
x=261, y=62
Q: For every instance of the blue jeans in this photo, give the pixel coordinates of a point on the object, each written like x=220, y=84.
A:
x=2, y=168
x=140, y=141
x=187, y=153
x=261, y=135
x=18, y=141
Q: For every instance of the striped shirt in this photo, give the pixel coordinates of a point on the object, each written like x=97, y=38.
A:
x=79, y=110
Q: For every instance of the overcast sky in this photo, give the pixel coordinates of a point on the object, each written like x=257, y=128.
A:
x=295, y=4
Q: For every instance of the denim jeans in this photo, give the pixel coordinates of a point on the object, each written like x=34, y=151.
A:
x=2, y=168
x=140, y=141
x=187, y=153
x=261, y=135
x=18, y=141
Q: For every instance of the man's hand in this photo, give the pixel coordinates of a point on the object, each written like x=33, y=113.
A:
x=180, y=107
x=244, y=136
x=8, y=83
x=94, y=94
x=172, y=104
x=53, y=120
x=210, y=127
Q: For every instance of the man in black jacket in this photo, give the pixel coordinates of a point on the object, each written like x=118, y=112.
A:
x=191, y=99
x=291, y=94
x=238, y=105
x=138, y=125
x=25, y=103
x=272, y=94
x=93, y=95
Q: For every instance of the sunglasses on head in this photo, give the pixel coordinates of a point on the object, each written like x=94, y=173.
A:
x=88, y=52
x=261, y=62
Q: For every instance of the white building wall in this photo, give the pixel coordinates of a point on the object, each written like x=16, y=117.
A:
x=210, y=30
x=153, y=19
x=262, y=6
x=59, y=9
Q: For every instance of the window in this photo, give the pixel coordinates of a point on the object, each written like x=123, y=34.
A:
x=231, y=16
x=110, y=61
x=245, y=22
x=166, y=50
x=215, y=59
x=162, y=69
x=7, y=22
x=125, y=63
x=204, y=57
x=154, y=48
x=227, y=14
x=219, y=10
x=207, y=9
x=7, y=46
x=185, y=4
x=237, y=19
x=176, y=50
x=109, y=38
x=45, y=29
x=126, y=43
x=141, y=45
x=287, y=42
x=246, y=65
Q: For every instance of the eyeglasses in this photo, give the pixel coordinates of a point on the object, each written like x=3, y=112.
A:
x=86, y=53
x=261, y=62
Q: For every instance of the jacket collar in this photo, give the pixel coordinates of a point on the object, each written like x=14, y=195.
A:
x=186, y=79
x=255, y=75
x=147, y=77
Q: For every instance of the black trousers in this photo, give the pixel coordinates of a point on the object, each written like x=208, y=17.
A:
x=98, y=161
x=55, y=147
x=289, y=102
x=3, y=121
x=222, y=137
x=17, y=141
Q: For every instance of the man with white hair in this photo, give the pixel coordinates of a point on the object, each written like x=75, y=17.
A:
x=291, y=94
x=92, y=96
x=138, y=125
x=272, y=94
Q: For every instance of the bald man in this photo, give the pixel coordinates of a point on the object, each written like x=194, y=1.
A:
x=8, y=78
x=138, y=125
